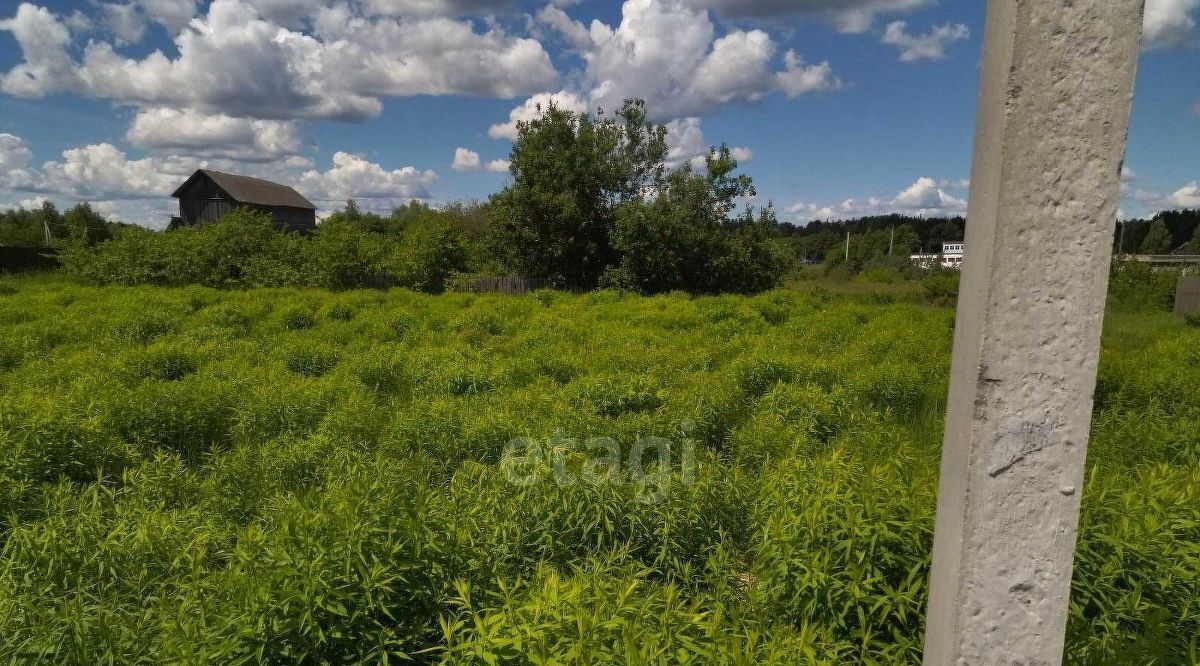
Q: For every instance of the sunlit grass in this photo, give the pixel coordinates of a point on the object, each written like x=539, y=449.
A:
x=191, y=475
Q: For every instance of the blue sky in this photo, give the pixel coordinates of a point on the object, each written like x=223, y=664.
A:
x=838, y=108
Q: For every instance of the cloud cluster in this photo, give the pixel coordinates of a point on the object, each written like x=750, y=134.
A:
x=239, y=80
x=353, y=177
x=931, y=46
x=668, y=53
x=686, y=145
x=1169, y=23
x=216, y=135
x=1187, y=196
x=924, y=198
x=469, y=160
x=1152, y=201
x=15, y=157
x=532, y=108
x=849, y=16
x=231, y=61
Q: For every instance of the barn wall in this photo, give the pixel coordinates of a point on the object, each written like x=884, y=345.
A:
x=291, y=219
x=204, y=211
x=201, y=211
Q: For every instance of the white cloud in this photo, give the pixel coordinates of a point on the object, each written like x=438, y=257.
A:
x=669, y=53
x=219, y=135
x=353, y=177
x=101, y=172
x=1169, y=23
x=798, y=79
x=127, y=21
x=849, y=16
x=465, y=160
x=1187, y=196
x=931, y=46
x=15, y=157
x=925, y=195
x=807, y=212
x=686, y=144
x=233, y=62
x=469, y=160
x=43, y=41
x=174, y=15
x=924, y=198
x=533, y=108
x=124, y=22
x=741, y=154
x=437, y=7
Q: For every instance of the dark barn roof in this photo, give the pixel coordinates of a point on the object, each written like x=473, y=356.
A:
x=247, y=190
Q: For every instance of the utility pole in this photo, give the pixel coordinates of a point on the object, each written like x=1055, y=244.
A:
x=1057, y=80
x=1121, y=243
x=847, y=246
x=892, y=242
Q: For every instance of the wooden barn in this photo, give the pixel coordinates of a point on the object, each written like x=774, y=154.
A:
x=208, y=195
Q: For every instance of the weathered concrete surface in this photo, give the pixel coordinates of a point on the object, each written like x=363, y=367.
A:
x=1187, y=295
x=1045, y=185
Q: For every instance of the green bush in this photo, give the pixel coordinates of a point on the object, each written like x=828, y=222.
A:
x=1139, y=287
x=309, y=360
x=940, y=289
x=166, y=364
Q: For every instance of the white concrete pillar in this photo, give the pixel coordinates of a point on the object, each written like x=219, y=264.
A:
x=1045, y=187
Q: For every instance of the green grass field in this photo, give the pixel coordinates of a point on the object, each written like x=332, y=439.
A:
x=283, y=476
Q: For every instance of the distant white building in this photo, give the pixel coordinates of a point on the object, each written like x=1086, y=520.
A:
x=951, y=256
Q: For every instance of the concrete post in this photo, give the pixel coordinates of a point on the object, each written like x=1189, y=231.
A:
x=1187, y=295
x=1045, y=186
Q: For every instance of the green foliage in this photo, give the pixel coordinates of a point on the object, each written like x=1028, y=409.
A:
x=310, y=361
x=193, y=475
x=81, y=225
x=570, y=172
x=1157, y=240
x=684, y=239
x=1139, y=287
x=872, y=239
x=243, y=250
x=590, y=206
x=941, y=288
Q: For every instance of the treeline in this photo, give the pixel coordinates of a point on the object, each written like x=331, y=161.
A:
x=419, y=250
x=47, y=227
x=871, y=237
x=1172, y=231
x=891, y=239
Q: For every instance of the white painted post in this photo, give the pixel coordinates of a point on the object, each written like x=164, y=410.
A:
x=1045, y=184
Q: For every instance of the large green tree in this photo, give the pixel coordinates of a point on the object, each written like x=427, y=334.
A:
x=1158, y=239
x=686, y=237
x=570, y=174
x=84, y=225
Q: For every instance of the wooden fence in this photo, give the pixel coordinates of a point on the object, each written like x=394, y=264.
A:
x=513, y=285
